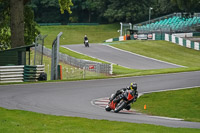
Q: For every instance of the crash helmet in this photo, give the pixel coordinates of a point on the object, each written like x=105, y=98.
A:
x=133, y=86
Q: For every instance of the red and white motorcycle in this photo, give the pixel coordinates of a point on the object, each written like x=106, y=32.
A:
x=121, y=102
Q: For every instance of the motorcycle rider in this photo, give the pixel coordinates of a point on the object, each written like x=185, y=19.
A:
x=133, y=87
x=85, y=38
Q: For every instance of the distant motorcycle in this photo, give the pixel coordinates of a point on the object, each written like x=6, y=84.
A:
x=86, y=43
x=121, y=102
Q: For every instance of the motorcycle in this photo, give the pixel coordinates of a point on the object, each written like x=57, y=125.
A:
x=86, y=43
x=121, y=102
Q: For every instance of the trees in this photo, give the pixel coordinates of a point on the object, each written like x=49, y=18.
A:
x=187, y=5
x=102, y=11
x=65, y=5
x=48, y=11
x=109, y=11
x=18, y=27
x=163, y=7
x=17, y=22
x=4, y=26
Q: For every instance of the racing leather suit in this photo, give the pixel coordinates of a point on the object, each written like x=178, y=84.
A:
x=85, y=38
x=121, y=91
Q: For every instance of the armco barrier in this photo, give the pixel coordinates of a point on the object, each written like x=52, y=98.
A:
x=11, y=74
x=80, y=63
x=182, y=42
x=32, y=73
x=49, y=24
x=83, y=24
x=121, y=38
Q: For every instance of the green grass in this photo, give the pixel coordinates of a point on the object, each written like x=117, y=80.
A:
x=161, y=50
x=74, y=34
x=122, y=71
x=176, y=104
x=164, y=51
x=79, y=56
x=16, y=121
x=68, y=72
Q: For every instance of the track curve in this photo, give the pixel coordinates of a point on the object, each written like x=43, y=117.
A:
x=74, y=98
x=120, y=57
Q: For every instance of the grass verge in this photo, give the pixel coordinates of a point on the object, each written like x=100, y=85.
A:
x=120, y=71
x=23, y=121
x=163, y=50
x=176, y=104
x=79, y=56
x=69, y=72
x=74, y=34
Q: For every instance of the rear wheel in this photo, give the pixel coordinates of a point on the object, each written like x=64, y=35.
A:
x=120, y=106
x=128, y=107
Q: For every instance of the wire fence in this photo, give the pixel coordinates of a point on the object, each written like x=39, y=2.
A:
x=73, y=68
x=39, y=43
x=80, y=63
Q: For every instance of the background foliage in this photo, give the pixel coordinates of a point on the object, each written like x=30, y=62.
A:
x=4, y=25
x=30, y=26
x=87, y=11
x=109, y=11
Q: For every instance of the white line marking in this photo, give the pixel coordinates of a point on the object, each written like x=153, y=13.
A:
x=167, y=118
x=95, y=57
x=102, y=106
x=113, y=78
x=144, y=56
x=100, y=103
x=93, y=102
x=140, y=94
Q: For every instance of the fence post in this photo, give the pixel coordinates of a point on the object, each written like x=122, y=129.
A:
x=55, y=57
x=111, y=68
x=84, y=72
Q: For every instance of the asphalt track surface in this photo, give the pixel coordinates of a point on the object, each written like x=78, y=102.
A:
x=74, y=98
x=120, y=57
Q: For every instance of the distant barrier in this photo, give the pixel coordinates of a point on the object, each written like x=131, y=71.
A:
x=120, y=38
x=11, y=74
x=54, y=24
x=49, y=24
x=80, y=63
x=131, y=37
x=182, y=42
x=83, y=24
x=32, y=73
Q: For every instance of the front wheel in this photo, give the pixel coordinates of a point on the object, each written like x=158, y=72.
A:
x=120, y=106
x=108, y=108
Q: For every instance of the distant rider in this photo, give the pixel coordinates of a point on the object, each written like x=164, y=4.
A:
x=133, y=87
x=85, y=38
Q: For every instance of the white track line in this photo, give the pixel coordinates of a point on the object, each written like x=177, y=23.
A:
x=98, y=103
x=140, y=94
x=96, y=58
x=167, y=118
x=144, y=56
